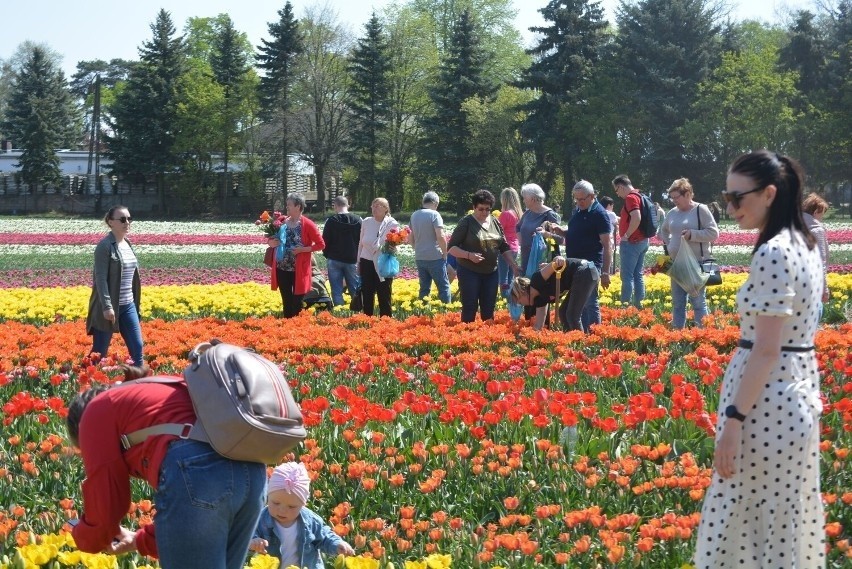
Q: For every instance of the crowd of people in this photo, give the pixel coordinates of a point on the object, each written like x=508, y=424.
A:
x=763, y=503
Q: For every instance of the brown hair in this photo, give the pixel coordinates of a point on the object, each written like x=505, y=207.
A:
x=111, y=211
x=681, y=185
x=813, y=203
x=520, y=286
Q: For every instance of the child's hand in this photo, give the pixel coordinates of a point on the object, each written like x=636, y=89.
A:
x=258, y=545
x=345, y=549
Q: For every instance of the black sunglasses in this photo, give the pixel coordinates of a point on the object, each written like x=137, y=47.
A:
x=123, y=219
x=734, y=198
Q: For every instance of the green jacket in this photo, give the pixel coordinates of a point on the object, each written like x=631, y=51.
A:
x=106, y=285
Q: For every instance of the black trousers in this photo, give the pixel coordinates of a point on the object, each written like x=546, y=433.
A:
x=292, y=302
x=371, y=287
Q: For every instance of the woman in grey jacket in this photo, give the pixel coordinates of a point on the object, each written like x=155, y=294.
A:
x=116, y=289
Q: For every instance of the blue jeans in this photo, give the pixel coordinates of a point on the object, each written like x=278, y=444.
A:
x=477, y=290
x=592, y=309
x=130, y=330
x=632, y=279
x=337, y=272
x=699, y=306
x=505, y=275
x=207, y=507
x=428, y=271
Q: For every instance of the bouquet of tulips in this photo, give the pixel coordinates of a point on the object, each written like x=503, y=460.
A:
x=270, y=223
x=394, y=238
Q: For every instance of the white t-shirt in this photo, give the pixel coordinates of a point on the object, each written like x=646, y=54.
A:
x=128, y=269
x=290, y=550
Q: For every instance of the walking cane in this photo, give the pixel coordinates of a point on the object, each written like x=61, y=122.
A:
x=557, y=273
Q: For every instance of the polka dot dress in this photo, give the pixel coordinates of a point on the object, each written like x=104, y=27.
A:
x=769, y=514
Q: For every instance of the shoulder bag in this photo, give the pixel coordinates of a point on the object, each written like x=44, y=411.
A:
x=709, y=264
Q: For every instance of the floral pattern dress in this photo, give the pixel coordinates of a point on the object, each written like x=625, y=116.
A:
x=769, y=514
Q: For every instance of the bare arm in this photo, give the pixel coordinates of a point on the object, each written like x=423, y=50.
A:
x=606, y=267
x=762, y=359
x=440, y=237
x=633, y=225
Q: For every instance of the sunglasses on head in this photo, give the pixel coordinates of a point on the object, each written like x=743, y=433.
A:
x=734, y=198
x=123, y=219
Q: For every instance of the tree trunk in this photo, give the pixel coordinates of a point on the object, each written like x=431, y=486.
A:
x=319, y=175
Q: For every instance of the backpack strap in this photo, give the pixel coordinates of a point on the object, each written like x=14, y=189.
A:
x=192, y=431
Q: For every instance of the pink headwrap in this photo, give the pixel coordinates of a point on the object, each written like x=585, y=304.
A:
x=293, y=478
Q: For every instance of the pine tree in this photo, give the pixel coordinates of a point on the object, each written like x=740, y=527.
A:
x=145, y=111
x=40, y=117
x=666, y=48
x=369, y=103
x=446, y=154
x=565, y=59
x=278, y=59
x=230, y=65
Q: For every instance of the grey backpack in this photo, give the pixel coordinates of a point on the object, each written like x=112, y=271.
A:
x=243, y=404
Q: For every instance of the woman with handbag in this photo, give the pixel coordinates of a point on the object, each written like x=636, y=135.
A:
x=688, y=223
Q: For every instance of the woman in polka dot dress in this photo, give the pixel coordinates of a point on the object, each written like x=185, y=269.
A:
x=763, y=508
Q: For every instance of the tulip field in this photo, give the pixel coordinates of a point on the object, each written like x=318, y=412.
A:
x=431, y=443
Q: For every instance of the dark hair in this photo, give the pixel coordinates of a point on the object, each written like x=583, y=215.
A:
x=135, y=372
x=606, y=201
x=622, y=180
x=111, y=211
x=78, y=407
x=770, y=168
x=483, y=197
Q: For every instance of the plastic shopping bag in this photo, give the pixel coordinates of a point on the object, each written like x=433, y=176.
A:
x=538, y=254
x=282, y=238
x=687, y=272
x=388, y=265
x=516, y=310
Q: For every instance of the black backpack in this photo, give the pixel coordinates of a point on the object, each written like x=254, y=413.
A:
x=650, y=220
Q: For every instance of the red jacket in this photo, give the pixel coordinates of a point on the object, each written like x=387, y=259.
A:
x=106, y=489
x=311, y=237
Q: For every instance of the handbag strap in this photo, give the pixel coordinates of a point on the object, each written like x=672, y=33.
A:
x=700, y=244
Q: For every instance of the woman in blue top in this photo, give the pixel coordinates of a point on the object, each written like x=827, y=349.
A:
x=535, y=216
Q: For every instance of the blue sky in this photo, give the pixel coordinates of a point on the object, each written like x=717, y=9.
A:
x=107, y=29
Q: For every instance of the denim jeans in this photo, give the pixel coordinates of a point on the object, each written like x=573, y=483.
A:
x=632, y=264
x=699, y=306
x=477, y=290
x=428, y=271
x=592, y=309
x=130, y=330
x=207, y=507
x=571, y=309
x=337, y=272
x=505, y=275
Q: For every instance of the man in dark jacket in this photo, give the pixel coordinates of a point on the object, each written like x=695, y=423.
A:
x=341, y=233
